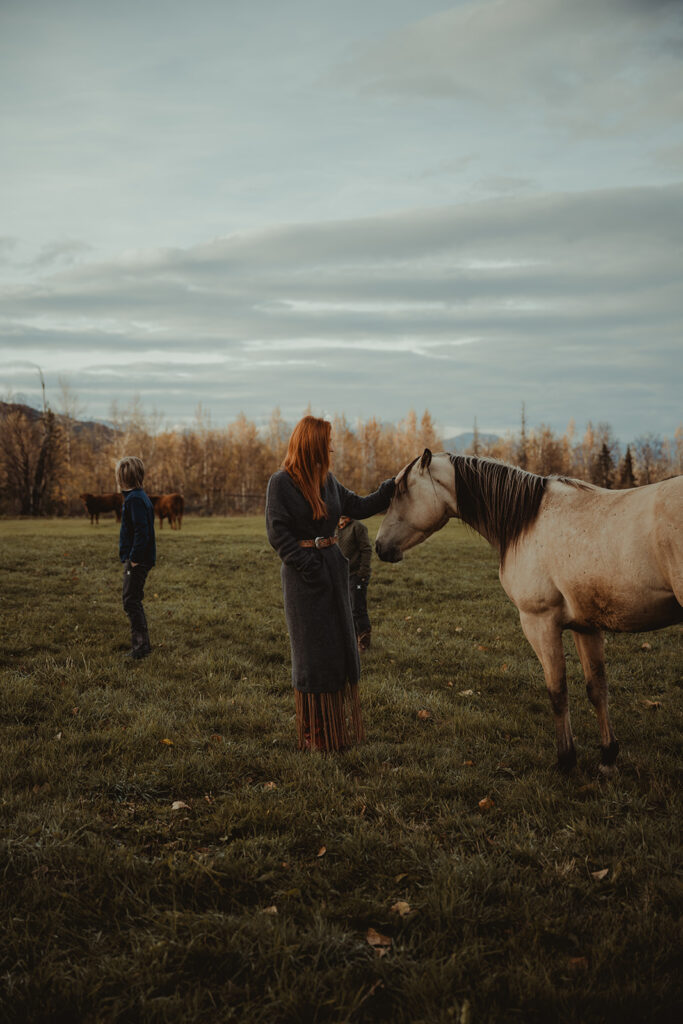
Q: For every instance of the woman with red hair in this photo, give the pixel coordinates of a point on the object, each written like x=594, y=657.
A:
x=303, y=505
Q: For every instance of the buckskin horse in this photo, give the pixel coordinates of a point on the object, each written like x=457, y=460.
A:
x=572, y=556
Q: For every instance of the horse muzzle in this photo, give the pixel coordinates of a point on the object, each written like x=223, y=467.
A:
x=387, y=552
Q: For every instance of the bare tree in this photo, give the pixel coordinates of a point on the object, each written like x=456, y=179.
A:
x=648, y=451
x=522, y=449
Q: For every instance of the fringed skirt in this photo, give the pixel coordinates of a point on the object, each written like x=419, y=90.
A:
x=329, y=721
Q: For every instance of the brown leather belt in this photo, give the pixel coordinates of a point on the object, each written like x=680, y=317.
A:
x=318, y=542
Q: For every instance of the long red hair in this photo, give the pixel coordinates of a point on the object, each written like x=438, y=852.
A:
x=308, y=460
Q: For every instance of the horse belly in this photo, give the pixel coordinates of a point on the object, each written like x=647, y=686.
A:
x=596, y=606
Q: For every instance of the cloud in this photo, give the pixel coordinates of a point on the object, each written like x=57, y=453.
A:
x=64, y=252
x=497, y=301
x=7, y=246
x=595, y=67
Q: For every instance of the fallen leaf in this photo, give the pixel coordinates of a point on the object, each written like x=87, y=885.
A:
x=402, y=908
x=468, y=764
x=465, y=693
x=651, y=703
x=458, y=629
x=419, y=629
x=424, y=714
x=646, y=646
x=156, y=595
x=503, y=668
x=599, y=875
x=408, y=618
x=216, y=737
x=167, y=742
x=399, y=878
x=380, y=943
x=322, y=851
x=270, y=785
x=270, y=910
x=480, y=647
x=180, y=805
x=449, y=683
x=486, y=804
x=58, y=736
x=74, y=711
x=578, y=963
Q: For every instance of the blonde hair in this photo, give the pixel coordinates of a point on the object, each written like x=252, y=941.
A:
x=130, y=472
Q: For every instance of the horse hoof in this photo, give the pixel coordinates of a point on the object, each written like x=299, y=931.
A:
x=608, y=755
x=608, y=771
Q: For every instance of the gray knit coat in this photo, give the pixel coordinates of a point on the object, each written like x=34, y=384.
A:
x=315, y=581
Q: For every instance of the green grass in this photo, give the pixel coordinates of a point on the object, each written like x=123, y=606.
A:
x=116, y=907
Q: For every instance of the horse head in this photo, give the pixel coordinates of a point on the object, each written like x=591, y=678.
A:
x=421, y=505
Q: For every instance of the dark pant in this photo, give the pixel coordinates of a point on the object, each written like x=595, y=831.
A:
x=134, y=577
x=358, y=590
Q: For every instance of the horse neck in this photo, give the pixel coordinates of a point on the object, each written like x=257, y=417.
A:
x=443, y=474
x=501, y=501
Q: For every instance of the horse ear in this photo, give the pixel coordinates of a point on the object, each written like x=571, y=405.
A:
x=426, y=459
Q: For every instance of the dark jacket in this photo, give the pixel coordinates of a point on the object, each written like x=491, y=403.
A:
x=315, y=581
x=136, y=539
x=354, y=544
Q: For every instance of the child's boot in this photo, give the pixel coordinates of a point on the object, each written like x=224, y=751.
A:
x=141, y=646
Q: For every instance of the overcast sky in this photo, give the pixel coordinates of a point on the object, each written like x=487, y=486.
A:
x=367, y=206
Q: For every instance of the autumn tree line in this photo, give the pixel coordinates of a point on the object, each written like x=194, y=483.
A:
x=48, y=458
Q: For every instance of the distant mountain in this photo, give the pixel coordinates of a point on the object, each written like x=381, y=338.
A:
x=94, y=430
x=28, y=411
x=461, y=442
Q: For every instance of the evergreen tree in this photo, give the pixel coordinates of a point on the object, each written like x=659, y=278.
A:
x=604, y=467
x=626, y=475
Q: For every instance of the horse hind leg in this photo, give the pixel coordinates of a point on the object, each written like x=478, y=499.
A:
x=591, y=649
x=545, y=636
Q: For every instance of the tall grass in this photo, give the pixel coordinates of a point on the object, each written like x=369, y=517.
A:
x=558, y=900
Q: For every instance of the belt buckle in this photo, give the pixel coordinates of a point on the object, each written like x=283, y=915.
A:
x=317, y=539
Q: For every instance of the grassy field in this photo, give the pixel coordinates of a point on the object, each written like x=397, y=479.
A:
x=558, y=899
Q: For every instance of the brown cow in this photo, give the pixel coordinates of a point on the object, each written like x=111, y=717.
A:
x=169, y=506
x=96, y=503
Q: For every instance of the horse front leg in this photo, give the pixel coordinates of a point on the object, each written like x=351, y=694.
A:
x=591, y=650
x=545, y=636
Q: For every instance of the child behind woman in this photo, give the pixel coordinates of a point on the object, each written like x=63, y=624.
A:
x=137, y=549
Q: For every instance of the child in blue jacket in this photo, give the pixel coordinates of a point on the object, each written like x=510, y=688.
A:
x=137, y=549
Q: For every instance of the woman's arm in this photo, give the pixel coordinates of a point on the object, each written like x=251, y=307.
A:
x=355, y=507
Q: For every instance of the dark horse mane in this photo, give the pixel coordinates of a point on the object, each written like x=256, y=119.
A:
x=499, y=501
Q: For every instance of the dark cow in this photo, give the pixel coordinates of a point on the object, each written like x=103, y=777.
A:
x=169, y=506
x=96, y=503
